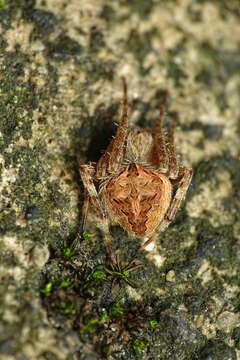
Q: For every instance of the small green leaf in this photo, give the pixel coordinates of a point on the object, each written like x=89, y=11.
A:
x=116, y=311
x=47, y=288
x=103, y=316
x=125, y=273
x=65, y=283
x=91, y=325
x=70, y=309
x=86, y=235
x=2, y=4
x=98, y=274
x=68, y=253
x=137, y=345
x=153, y=323
x=67, y=308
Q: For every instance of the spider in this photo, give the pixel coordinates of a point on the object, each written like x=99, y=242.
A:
x=135, y=179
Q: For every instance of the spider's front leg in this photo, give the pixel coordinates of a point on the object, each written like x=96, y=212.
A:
x=87, y=173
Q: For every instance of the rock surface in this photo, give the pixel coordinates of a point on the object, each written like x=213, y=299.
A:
x=60, y=93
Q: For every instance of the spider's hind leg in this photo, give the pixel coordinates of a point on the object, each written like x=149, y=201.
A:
x=184, y=180
x=87, y=173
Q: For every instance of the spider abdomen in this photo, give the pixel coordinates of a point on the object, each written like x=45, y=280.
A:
x=137, y=199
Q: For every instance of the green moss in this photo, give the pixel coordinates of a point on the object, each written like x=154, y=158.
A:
x=98, y=274
x=226, y=60
x=104, y=316
x=96, y=39
x=87, y=235
x=116, y=311
x=66, y=307
x=17, y=101
x=205, y=76
x=222, y=64
x=98, y=69
x=91, y=325
x=153, y=323
x=63, y=48
x=109, y=14
x=68, y=253
x=8, y=221
x=208, y=169
x=47, y=288
x=10, y=9
x=236, y=337
x=225, y=6
x=143, y=8
x=217, y=349
x=137, y=345
x=176, y=72
x=43, y=21
x=2, y=4
x=140, y=46
x=65, y=283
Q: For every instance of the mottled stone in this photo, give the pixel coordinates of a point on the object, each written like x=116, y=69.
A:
x=60, y=93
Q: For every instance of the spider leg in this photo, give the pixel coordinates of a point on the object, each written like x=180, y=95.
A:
x=79, y=237
x=185, y=176
x=85, y=209
x=148, y=241
x=113, y=156
x=116, y=155
x=86, y=173
x=160, y=153
x=173, y=165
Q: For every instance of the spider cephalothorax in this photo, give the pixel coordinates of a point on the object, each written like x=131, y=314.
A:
x=135, y=176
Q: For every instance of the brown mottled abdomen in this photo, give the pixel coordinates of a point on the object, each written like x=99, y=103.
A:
x=137, y=199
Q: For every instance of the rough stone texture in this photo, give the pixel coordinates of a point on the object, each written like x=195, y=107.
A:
x=60, y=90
